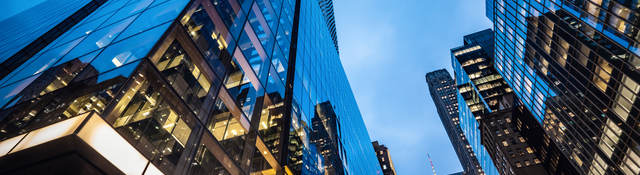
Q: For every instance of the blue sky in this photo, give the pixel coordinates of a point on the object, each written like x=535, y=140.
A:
x=387, y=47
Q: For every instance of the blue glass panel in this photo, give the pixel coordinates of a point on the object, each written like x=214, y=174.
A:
x=253, y=57
x=275, y=84
x=129, y=50
x=85, y=59
x=82, y=30
x=154, y=16
x=262, y=30
x=279, y=64
x=232, y=19
x=21, y=29
x=128, y=10
x=99, y=39
x=124, y=71
x=10, y=91
x=270, y=15
x=107, y=9
x=40, y=64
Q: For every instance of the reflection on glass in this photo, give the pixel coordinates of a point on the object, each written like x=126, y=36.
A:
x=58, y=101
x=99, y=39
x=259, y=165
x=279, y=63
x=209, y=38
x=129, y=50
x=261, y=28
x=270, y=12
x=275, y=87
x=205, y=163
x=256, y=58
x=270, y=125
x=227, y=130
x=128, y=10
x=232, y=17
x=153, y=17
x=241, y=89
x=39, y=64
x=150, y=121
x=63, y=75
x=184, y=76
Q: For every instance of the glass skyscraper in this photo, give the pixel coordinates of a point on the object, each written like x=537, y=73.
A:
x=574, y=64
x=479, y=91
x=177, y=87
x=443, y=91
x=504, y=134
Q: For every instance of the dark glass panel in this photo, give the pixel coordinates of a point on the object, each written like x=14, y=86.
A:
x=187, y=78
x=205, y=163
x=153, y=121
x=41, y=63
x=227, y=130
x=210, y=39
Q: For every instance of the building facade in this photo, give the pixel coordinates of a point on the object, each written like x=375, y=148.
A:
x=444, y=95
x=180, y=87
x=384, y=157
x=574, y=65
x=505, y=136
x=325, y=135
x=470, y=63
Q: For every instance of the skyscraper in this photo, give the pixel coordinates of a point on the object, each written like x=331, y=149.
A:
x=444, y=95
x=384, y=157
x=574, y=65
x=180, y=87
x=503, y=134
x=478, y=92
x=325, y=136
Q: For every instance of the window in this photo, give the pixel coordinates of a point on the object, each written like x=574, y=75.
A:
x=150, y=118
x=227, y=130
x=186, y=77
x=631, y=160
x=602, y=75
x=212, y=40
x=205, y=163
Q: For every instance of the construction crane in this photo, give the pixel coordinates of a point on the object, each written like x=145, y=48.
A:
x=431, y=162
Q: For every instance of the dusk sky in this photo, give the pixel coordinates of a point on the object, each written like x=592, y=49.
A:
x=386, y=48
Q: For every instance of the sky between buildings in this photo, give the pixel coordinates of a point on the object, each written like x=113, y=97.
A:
x=386, y=48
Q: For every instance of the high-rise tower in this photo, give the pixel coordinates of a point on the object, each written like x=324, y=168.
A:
x=176, y=87
x=501, y=132
x=574, y=64
x=444, y=95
